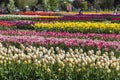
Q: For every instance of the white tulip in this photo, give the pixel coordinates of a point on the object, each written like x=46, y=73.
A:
x=59, y=69
x=98, y=52
x=1, y=61
x=83, y=64
x=81, y=50
x=112, y=53
x=90, y=53
x=117, y=68
x=48, y=70
x=98, y=63
x=113, y=58
x=103, y=64
x=108, y=70
x=70, y=64
x=57, y=48
x=1, y=45
x=76, y=51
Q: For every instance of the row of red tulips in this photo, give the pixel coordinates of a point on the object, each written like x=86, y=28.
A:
x=6, y=24
x=35, y=13
x=15, y=23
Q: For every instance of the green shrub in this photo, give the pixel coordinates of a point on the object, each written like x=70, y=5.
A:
x=84, y=5
x=11, y=6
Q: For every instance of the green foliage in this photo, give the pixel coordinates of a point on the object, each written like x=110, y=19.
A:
x=77, y=4
x=23, y=3
x=84, y=5
x=107, y=4
x=53, y=4
x=2, y=5
x=91, y=1
x=80, y=4
x=32, y=2
x=11, y=6
x=63, y=4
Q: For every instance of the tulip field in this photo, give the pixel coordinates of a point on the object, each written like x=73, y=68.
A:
x=50, y=46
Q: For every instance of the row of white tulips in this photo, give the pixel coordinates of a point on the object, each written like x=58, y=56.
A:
x=18, y=16
x=42, y=56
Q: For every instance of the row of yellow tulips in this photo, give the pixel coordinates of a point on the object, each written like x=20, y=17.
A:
x=98, y=27
x=50, y=16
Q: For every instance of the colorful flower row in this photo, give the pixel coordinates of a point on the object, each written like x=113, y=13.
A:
x=35, y=13
x=63, y=42
x=116, y=19
x=16, y=25
x=109, y=37
x=6, y=24
x=12, y=23
x=50, y=16
x=85, y=27
x=85, y=17
x=18, y=17
x=55, y=63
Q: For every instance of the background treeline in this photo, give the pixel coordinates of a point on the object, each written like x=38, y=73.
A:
x=53, y=5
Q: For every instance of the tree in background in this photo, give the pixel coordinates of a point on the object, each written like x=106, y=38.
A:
x=40, y=2
x=80, y=4
x=53, y=4
x=4, y=2
x=91, y=1
x=116, y=3
x=77, y=4
x=23, y=3
x=84, y=5
x=47, y=5
x=107, y=4
x=63, y=4
x=11, y=6
x=20, y=3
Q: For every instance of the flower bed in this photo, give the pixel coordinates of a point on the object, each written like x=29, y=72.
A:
x=85, y=27
x=63, y=42
x=35, y=13
x=84, y=17
x=97, y=17
x=16, y=24
x=106, y=37
x=61, y=50
x=116, y=19
x=55, y=63
x=18, y=17
x=6, y=24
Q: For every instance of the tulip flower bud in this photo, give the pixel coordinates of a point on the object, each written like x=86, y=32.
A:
x=112, y=53
x=81, y=50
x=1, y=45
x=57, y=48
x=1, y=61
x=48, y=70
x=98, y=52
x=70, y=65
x=108, y=71
x=59, y=69
x=18, y=61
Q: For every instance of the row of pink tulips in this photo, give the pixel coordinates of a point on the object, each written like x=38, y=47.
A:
x=29, y=40
x=63, y=34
